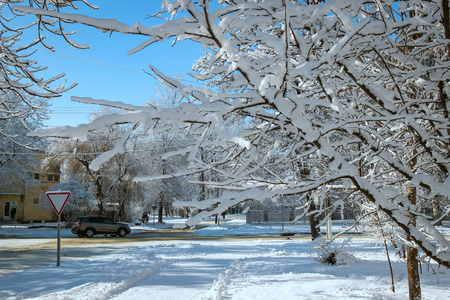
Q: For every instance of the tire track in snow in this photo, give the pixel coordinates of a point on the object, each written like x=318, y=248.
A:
x=129, y=283
x=124, y=270
x=220, y=286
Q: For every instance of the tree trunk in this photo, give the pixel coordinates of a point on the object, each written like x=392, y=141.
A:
x=99, y=195
x=314, y=221
x=160, y=209
x=412, y=263
x=160, y=212
x=413, y=274
x=436, y=209
x=121, y=212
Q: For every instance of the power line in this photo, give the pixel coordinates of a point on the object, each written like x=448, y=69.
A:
x=69, y=174
x=108, y=65
x=66, y=110
x=91, y=61
x=96, y=153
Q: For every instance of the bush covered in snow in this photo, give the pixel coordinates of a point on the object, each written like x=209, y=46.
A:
x=334, y=254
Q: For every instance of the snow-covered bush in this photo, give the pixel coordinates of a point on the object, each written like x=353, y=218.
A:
x=334, y=254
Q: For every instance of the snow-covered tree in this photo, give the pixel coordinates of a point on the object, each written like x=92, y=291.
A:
x=163, y=191
x=360, y=86
x=114, y=188
x=20, y=79
x=151, y=154
x=18, y=158
x=23, y=101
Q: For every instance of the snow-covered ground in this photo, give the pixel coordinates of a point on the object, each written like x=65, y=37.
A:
x=199, y=268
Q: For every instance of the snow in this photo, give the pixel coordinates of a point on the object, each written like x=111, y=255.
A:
x=243, y=262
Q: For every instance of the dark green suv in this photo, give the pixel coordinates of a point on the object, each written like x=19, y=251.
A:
x=91, y=225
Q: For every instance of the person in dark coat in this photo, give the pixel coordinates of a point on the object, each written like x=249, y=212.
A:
x=13, y=213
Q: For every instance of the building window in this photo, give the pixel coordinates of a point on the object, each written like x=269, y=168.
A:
x=50, y=177
x=55, y=178
x=36, y=176
x=36, y=201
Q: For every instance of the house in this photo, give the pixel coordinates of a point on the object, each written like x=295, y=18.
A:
x=30, y=204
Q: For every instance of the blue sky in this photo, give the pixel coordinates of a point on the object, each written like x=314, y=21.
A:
x=93, y=68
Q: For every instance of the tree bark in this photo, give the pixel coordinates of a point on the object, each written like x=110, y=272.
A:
x=413, y=274
x=314, y=221
x=412, y=263
x=436, y=209
x=160, y=212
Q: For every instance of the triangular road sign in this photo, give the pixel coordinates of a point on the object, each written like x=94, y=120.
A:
x=58, y=199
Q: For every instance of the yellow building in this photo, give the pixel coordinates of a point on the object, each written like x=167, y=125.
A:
x=30, y=204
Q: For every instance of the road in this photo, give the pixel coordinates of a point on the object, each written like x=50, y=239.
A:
x=43, y=252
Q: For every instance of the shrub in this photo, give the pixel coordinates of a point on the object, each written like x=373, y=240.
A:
x=334, y=254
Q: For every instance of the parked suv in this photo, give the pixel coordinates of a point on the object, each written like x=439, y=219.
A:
x=91, y=225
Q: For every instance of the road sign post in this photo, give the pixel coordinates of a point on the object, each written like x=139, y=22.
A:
x=58, y=244
x=58, y=200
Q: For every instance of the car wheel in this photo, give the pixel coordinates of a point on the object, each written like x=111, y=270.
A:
x=90, y=232
x=122, y=232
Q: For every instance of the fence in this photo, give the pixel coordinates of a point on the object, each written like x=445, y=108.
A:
x=272, y=216
x=287, y=216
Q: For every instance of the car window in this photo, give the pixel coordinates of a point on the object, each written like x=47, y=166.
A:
x=95, y=220
x=108, y=221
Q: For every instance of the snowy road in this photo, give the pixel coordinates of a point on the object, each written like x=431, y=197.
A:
x=167, y=270
x=42, y=252
x=18, y=254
